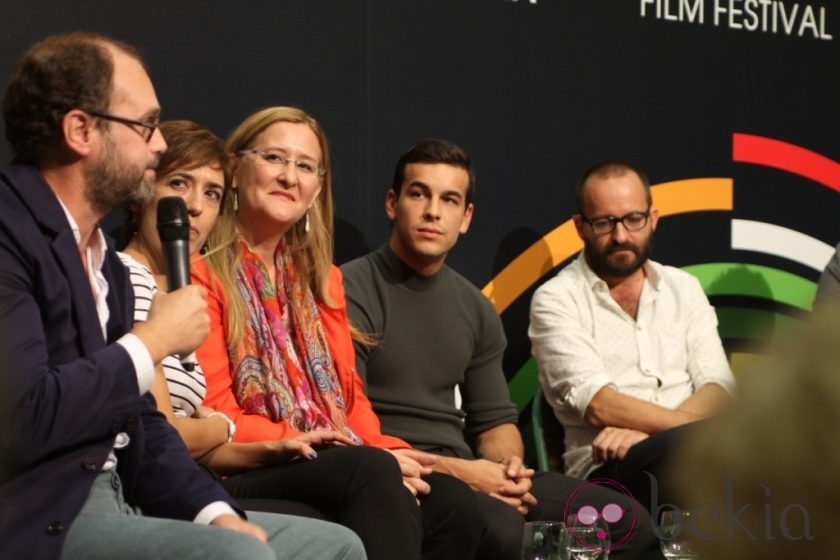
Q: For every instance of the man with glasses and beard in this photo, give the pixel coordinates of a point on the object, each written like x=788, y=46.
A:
x=628, y=349
x=88, y=468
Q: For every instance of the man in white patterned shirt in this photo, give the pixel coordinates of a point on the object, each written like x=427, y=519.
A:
x=626, y=347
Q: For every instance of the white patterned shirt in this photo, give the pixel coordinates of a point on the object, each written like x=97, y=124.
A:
x=584, y=341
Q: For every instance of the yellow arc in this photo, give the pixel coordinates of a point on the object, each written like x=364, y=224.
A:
x=673, y=197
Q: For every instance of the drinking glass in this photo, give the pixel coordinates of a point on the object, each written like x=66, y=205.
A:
x=675, y=530
x=586, y=543
x=541, y=540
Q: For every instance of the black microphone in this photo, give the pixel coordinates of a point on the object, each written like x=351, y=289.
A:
x=173, y=225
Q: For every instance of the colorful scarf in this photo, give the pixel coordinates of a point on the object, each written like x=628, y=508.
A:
x=283, y=368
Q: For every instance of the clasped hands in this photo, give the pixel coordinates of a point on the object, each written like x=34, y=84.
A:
x=508, y=480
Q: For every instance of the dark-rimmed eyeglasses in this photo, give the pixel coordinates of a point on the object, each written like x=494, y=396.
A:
x=281, y=160
x=634, y=221
x=146, y=128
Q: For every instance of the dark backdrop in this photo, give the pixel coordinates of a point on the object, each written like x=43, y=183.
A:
x=536, y=91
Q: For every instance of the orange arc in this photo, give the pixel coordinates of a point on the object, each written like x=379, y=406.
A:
x=673, y=197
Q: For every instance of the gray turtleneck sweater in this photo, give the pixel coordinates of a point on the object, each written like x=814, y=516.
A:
x=433, y=333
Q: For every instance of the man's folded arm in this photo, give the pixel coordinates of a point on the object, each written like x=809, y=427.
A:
x=610, y=408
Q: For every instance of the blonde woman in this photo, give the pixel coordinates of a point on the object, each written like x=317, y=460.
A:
x=196, y=168
x=279, y=360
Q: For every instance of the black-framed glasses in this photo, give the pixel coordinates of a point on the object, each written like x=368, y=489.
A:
x=146, y=130
x=634, y=221
x=277, y=158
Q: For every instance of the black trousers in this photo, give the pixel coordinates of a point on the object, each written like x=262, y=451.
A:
x=361, y=488
x=644, y=471
x=559, y=495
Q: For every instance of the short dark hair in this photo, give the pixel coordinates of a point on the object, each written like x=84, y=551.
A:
x=605, y=170
x=435, y=150
x=190, y=145
x=57, y=75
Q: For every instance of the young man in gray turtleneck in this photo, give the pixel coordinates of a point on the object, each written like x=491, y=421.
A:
x=434, y=332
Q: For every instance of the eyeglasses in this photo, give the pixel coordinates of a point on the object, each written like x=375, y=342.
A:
x=146, y=131
x=280, y=160
x=634, y=221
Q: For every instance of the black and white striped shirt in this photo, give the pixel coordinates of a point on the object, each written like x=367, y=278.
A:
x=186, y=388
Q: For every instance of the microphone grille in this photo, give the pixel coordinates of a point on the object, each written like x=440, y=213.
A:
x=173, y=220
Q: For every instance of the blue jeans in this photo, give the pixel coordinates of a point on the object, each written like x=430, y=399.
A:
x=109, y=528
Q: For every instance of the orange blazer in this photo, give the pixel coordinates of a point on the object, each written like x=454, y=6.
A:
x=214, y=360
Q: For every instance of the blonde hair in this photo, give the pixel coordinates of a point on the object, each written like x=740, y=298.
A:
x=312, y=251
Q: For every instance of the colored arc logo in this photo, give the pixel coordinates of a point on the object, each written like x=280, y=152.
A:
x=723, y=281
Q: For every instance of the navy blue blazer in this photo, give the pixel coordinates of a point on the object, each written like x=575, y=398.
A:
x=65, y=391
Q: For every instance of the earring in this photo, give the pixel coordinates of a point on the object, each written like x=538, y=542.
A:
x=235, y=200
x=306, y=224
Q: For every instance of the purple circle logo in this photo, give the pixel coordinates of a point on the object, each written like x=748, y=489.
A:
x=587, y=514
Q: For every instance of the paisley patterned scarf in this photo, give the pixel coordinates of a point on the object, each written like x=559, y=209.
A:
x=283, y=369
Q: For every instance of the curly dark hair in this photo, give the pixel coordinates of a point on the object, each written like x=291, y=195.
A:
x=56, y=75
